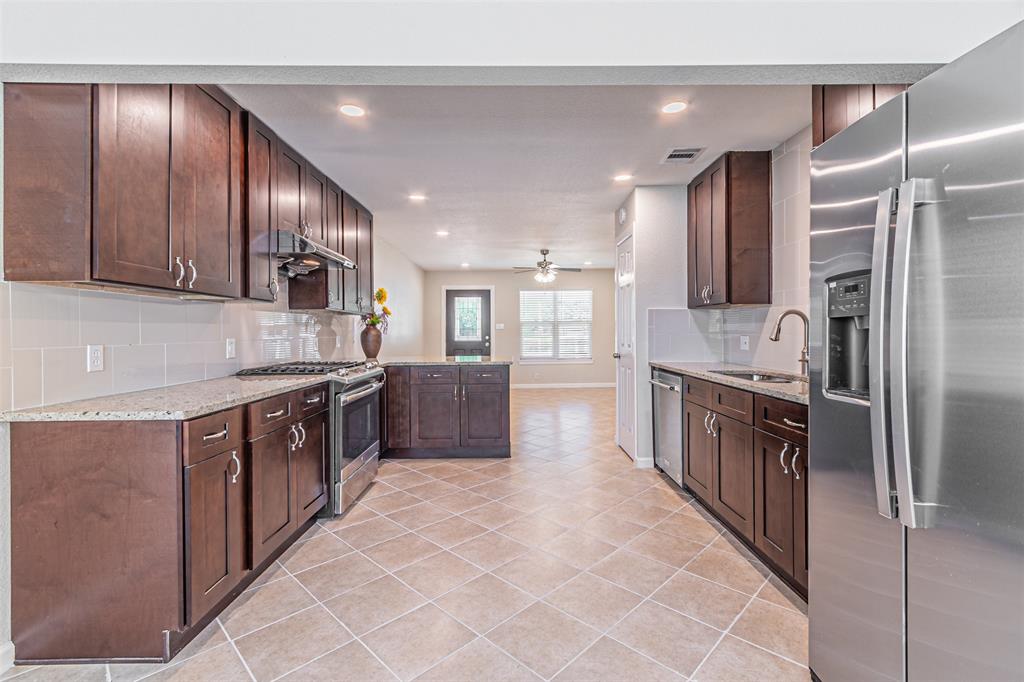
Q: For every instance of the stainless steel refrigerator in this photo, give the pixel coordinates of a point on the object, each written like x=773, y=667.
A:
x=916, y=517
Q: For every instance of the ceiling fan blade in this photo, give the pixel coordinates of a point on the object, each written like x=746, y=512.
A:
x=570, y=269
x=523, y=272
x=518, y=268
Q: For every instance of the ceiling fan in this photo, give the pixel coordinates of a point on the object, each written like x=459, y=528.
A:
x=545, y=271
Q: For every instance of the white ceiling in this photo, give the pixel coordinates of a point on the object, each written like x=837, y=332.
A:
x=510, y=170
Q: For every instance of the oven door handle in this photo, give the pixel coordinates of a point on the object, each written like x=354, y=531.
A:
x=346, y=398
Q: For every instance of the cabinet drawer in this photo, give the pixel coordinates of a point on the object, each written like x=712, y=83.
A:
x=434, y=375
x=311, y=400
x=207, y=436
x=781, y=418
x=732, y=402
x=271, y=413
x=485, y=375
x=697, y=391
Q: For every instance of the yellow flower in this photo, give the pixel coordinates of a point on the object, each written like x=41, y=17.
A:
x=386, y=310
x=381, y=295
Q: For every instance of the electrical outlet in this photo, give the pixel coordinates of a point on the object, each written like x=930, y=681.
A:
x=94, y=358
x=744, y=343
x=229, y=349
x=337, y=342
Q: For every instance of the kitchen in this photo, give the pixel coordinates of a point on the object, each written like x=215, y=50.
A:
x=587, y=444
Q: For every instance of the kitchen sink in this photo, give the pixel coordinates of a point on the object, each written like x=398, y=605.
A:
x=760, y=377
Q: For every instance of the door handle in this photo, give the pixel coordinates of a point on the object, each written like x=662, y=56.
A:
x=660, y=384
x=913, y=193
x=782, y=459
x=616, y=355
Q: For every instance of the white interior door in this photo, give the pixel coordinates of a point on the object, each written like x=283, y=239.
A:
x=625, y=336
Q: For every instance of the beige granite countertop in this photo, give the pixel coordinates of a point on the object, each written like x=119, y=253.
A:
x=174, y=403
x=796, y=392
x=448, y=360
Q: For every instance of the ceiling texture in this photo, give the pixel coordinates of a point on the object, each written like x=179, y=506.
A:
x=508, y=170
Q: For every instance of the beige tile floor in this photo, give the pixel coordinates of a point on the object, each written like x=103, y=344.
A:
x=563, y=562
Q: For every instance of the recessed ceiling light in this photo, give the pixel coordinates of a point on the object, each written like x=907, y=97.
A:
x=587, y=262
x=442, y=233
x=465, y=265
x=417, y=197
x=623, y=177
x=673, y=107
x=352, y=110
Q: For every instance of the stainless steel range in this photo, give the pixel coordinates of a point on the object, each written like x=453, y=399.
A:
x=355, y=416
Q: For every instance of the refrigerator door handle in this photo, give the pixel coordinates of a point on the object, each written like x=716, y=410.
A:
x=884, y=490
x=914, y=192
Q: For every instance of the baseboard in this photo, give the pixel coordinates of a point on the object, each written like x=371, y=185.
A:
x=6, y=656
x=610, y=384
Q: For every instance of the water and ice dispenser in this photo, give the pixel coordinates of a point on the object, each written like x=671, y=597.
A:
x=847, y=334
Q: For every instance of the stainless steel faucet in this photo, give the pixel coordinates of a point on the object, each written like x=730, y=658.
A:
x=777, y=332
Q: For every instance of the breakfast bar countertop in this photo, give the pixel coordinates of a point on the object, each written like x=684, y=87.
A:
x=482, y=360
x=795, y=391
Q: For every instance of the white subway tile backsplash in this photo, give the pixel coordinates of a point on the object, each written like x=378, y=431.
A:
x=108, y=319
x=65, y=378
x=203, y=321
x=5, y=327
x=137, y=367
x=786, y=176
x=26, y=378
x=46, y=316
x=163, y=320
x=6, y=389
x=184, y=363
x=797, y=224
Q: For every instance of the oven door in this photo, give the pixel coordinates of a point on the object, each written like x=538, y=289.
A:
x=357, y=426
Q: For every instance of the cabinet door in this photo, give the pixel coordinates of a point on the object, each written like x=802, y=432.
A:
x=334, y=273
x=484, y=415
x=800, y=469
x=434, y=415
x=206, y=188
x=315, y=206
x=733, y=459
x=134, y=239
x=698, y=235
x=717, y=240
x=310, y=464
x=214, y=531
x=291, y=171
x=698, y=470
x=773, y=499
x=261, y=209
x=272, y=508
x=350, y=248
x=365, y=248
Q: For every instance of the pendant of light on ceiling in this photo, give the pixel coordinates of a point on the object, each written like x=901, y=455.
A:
x=545, y=276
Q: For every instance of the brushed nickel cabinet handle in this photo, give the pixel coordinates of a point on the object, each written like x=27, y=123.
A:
x=706, y=418
x=782, y=459
x=222, y=434
x=181, y=271
x=238, y=466
x=303, y=432
x=274, y=288
x=463, y=391
x=195, y=273
x=792, y=464
x=292, y=432
x=273, y=415
x=795, y=425
x=714, y=431
x=313, y=401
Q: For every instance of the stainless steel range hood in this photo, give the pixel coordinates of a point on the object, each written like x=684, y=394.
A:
x=301, y=256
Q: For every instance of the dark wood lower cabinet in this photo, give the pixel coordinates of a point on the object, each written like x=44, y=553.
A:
x=434, y=415
x=272, y=513
x=310, y=460
x=484, y=415
x=215, y=560
x=698, y=467
x=733, y=462
x=774, y=492
x=800, y=566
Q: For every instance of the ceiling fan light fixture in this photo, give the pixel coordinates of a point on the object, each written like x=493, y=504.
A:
x=545, y=276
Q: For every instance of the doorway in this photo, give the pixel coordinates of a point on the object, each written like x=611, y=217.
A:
x=625, y=361
x=467, y=321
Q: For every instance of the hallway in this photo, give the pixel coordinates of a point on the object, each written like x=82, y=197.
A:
x=563, y=562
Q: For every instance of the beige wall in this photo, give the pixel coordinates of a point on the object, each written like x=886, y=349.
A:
x=404, y=282
x=506, y=311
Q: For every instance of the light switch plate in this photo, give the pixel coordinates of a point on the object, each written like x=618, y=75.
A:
x=94, y=358
x=744, y=343
x=229, y=349
x=499, y=326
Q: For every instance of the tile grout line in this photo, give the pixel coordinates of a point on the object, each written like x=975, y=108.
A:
x=722, y=637
x=234, y=648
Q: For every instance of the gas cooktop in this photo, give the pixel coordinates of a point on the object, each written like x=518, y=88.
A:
x=349, y=371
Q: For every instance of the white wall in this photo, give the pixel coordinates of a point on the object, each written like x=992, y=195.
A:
x=404, y=282
x=505, y=310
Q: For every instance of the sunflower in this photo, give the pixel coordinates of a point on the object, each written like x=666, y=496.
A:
x=381, y=295
x=385, y=310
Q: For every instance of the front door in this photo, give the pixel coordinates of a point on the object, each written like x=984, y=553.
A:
x=467, y=322
x=625, y=363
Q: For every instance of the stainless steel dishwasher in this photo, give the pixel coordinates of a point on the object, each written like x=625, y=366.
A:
x=668, y=423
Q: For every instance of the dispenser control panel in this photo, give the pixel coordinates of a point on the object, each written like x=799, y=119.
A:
x=848, y=297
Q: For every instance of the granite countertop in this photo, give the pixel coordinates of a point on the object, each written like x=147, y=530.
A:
x=796, y=392
x=173, y=403
x=448, y=360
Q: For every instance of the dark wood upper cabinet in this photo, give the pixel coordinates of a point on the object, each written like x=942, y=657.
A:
x=733, y=461
x=261, y=209
x=335, y=290
x=350, y=248
x=150, y=198
x=836, y=107
x=207, y=187
x=364, y=273
x=729, y=232
x=773, y=499
x=434, y=415
x=310, y=460
x=291, y=172
x=215, y=531
x=271, y=505
x=135, y=240
x=484, y=417
x=698, y=467
x=315, y=205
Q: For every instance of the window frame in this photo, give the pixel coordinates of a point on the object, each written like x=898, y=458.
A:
x=555, y=324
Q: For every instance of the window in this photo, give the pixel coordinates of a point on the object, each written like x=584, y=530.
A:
x=555, y=325
x=467, y=318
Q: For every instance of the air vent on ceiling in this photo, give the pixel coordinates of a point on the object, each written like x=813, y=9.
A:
x=682, y=155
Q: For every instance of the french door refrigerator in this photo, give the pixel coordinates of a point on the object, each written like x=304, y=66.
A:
x=916, y=518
